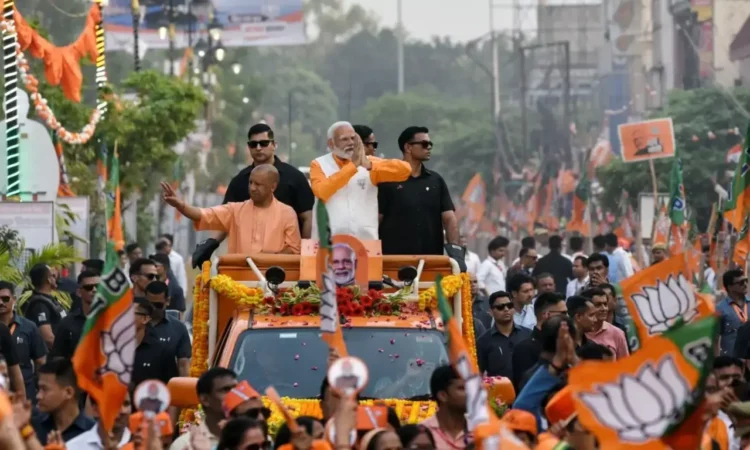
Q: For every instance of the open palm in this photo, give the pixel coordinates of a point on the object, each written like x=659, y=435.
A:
x=168, y=195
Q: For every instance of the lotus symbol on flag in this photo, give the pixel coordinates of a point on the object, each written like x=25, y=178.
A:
x=118, y=345
x=643, y=406
x=661, y=306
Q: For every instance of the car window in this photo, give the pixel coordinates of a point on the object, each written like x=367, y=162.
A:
x=400, y=361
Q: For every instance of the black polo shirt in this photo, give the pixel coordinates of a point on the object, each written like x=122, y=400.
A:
x=153, y=361
x=43, y=309
x=44, y=423
x=412, y=214
x=495, y=351
x=526, y=355
x=7, y=346
x=30, y=346
x=68, y=334
x=174, y=336
x=293, y=189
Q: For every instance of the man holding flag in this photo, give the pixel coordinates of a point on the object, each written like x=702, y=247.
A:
x=103, y=360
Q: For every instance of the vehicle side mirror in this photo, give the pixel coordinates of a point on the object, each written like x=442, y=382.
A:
x=275, y=275
x=407, y=275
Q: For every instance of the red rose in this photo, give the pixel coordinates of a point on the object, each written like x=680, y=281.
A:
x=385, y=308
x=357, y=310
x=298, y=309
x=345, y=310
x=366, y=301
x=284, y=309
x=268, y=300
x=306, y=307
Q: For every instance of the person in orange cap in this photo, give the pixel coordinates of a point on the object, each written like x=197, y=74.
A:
x=563, y=421
x=523, y=425
x=162, y=421
x=244, y=401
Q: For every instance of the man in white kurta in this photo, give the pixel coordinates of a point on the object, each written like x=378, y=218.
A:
x=347, y=181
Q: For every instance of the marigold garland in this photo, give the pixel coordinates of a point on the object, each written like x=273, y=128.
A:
x=40, y=103
x=407, y=411
x=428, y=298
x=242, y=296
x=199, y=357
x=467, y=315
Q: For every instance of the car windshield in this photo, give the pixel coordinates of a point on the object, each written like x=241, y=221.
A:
x=400, y=361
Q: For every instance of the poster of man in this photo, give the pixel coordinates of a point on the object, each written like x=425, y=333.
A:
x=650, y=139
x=344, y=264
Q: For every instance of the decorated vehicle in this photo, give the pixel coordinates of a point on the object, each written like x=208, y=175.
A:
x=258, y=315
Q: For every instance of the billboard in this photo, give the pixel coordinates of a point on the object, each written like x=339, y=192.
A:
x=243, y=23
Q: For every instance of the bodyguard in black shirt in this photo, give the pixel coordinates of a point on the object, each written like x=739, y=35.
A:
x=414, y=213
x=293, y=188
x=152, y=358
x=7, y=348
x=69, y=329
x=42, y=308
x=496, y=347
x=172, y=333
x=30, y=347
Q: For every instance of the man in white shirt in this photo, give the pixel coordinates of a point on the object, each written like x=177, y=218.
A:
x=472, y=259
x=491, y=273
x=620, y=264
x=176, y=261
x=581, y=274
x=521, y=288
x=95, y=438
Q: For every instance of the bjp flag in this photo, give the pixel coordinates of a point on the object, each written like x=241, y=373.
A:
x=653, y=399
x=330, y=328
x=737, y=205
x=662, y=295
x=114, y=209
x=103, y=360
x=578, y=222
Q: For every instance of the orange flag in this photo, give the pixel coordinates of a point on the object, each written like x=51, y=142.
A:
x=475, y=199
x=330, y=328
x=661, y=228
x=114, y=211
x=653, y=399
x=103, y=359
x=661, y=295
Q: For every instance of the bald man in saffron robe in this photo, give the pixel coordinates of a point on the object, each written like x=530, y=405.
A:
x=259, y=225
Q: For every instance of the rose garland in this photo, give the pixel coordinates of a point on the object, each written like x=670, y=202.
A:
x=450, y=284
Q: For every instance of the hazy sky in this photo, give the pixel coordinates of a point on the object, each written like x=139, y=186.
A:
x=461, y=20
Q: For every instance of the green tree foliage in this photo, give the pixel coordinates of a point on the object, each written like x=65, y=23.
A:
x=694, y=113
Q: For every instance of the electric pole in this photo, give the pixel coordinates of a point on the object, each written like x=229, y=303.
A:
x=495, y=65
x=400, y=48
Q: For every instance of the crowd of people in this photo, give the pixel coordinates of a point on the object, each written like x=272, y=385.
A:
x=537, y=314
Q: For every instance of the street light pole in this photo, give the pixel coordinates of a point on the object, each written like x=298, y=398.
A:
x=136, y=10
x=171, y=38
x=400, y=48
x=495, y=65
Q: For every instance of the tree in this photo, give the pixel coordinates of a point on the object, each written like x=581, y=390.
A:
x=694, y=113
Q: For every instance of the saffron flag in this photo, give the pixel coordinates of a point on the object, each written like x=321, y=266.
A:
x=103, y=359
x=100, y=231
x=652, y=399
x=475, y=199
x=114, y=210
x=330, y=327
x=738, y=204
x=578, y=221
x=662, y=295
x=489, y=432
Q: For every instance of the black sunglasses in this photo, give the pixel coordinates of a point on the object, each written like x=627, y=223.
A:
x=372, y=144
x=88, y=287
x=741, y=281
x=424, y=144
x=262, y=144
x=5, y=298
x=150, y=276
x=254, y=412
x=503, y=306
x=158, y=305
x=262, y=446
